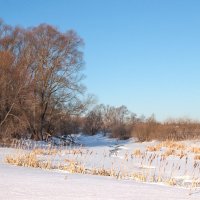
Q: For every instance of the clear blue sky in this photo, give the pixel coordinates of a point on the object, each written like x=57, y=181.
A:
x=144, y=54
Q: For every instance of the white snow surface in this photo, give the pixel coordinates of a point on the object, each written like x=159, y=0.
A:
x=21, y=183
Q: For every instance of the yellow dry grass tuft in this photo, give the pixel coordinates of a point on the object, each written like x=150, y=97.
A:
x=104, y=172
x=28, y=160
x=195, y=150
x=153, y=148
x=137, y=153
x=171, y=182
x=72, y=167
x=168, y=153
x=139, y=176
x=197, y=157
x=173, y=145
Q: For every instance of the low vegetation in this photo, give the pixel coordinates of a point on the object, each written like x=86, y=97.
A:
x=167, y=162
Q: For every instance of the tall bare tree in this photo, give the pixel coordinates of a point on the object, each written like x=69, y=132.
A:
x=14, y=86
x=41, y=73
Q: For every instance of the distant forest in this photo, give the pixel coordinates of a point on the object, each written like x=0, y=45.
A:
x=41, y=92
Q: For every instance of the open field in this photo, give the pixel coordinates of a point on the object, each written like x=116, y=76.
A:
x=101, y=168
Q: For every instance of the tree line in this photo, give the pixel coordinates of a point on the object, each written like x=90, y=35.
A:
x=119, y=122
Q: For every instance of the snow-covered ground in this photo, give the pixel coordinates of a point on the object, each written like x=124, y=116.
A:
x=33, y=183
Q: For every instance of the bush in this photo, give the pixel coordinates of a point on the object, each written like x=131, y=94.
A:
x=171, y=130
x=121, y=131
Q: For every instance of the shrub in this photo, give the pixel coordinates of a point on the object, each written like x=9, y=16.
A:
x=121, y=131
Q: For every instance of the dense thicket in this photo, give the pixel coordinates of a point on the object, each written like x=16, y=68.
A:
x=119, y=122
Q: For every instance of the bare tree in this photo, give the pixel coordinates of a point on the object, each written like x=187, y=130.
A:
x=55, y=72
x=13, y=80
x=93, y=122
x=41, y=73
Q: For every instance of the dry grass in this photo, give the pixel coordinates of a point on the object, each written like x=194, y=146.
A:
x=171, y=182
x=72, y=166
x=172, y=145
x=195, y=150
x=153, y=148
x=28, y=160
x=181, y=154
x=168, y=153
x=139, y=176
x=197, y=157
x=152, y=165
x=137, y=153
x=104, y=172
